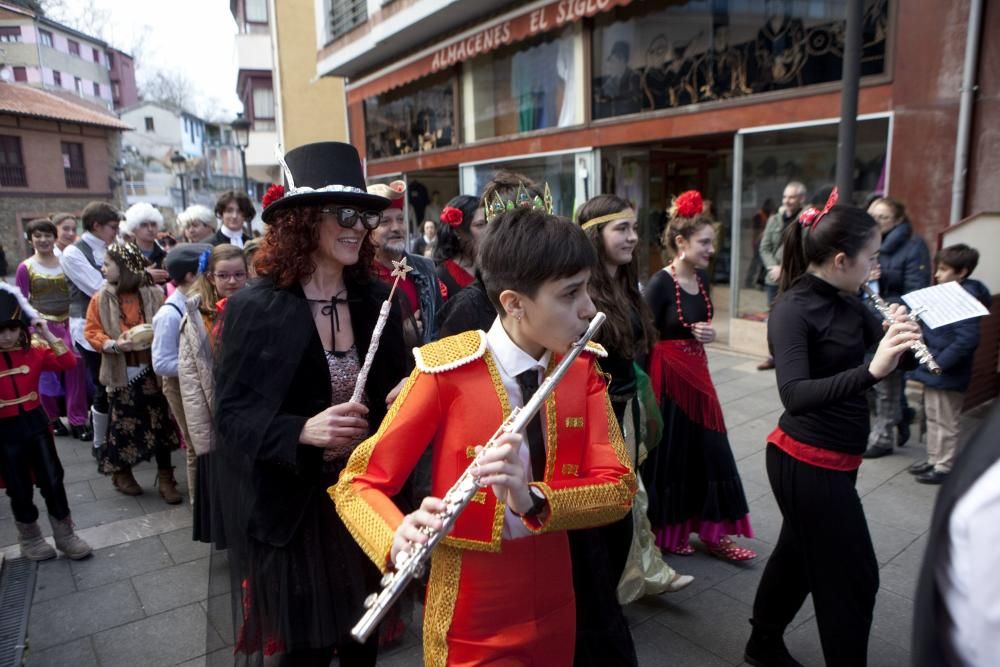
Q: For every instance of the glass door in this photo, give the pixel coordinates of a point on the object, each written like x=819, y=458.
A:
x=766, y=160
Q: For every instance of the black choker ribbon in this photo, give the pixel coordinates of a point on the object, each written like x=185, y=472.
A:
x=330, y=308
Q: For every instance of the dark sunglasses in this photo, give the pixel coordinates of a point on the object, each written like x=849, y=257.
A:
x=347, y=216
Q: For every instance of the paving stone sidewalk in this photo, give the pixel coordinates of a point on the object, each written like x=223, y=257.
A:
x=144, y=597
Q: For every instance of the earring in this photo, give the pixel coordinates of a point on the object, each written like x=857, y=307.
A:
x=519, y=316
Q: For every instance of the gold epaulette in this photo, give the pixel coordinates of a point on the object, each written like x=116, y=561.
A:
x=451, y=352
x=595, y=348
x=38, y=341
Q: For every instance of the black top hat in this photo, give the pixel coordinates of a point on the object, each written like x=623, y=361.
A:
x=14, y=308
x=327, y=172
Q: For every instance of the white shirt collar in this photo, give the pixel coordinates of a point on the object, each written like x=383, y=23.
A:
x=511, y=359
x=235, y=237
x=93, y=241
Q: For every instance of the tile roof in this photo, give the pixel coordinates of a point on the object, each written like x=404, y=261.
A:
x=23, y=100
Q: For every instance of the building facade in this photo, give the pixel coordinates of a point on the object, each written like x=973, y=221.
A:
x=54, y=57
x=161, y=132
x=39, y=132
x=255, y=88
x=307, y=108
x=648, y=99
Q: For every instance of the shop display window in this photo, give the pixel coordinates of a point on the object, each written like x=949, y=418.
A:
x=648, y=57
x=413, y=118
x=527, y=86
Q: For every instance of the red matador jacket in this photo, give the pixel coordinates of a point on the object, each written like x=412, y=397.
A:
x=19, y=371
x=455, y=400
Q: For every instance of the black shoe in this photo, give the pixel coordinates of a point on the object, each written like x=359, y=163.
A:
x=83, y=432
x=768, y=650
x=932, y=477
x=920, y=468
x=59, y=429
x=876, y=452
x=904, y=433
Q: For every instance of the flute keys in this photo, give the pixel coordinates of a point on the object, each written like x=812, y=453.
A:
x=371, y=600
x=386, y=579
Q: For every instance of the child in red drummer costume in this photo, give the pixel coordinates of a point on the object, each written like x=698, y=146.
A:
x=27, y=451
x=507, y=556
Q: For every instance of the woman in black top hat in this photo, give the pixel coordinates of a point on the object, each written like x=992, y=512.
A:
x=290, y=349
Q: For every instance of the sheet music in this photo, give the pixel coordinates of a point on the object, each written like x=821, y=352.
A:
x=944, y=304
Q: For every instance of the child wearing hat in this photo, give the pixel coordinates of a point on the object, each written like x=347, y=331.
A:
x=140, y=425
x=27, y=450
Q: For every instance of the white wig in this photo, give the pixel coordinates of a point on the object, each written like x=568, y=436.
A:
x=197, y=213
x=139, y=213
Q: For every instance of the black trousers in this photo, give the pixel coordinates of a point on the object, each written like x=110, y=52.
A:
x=93, y=361
x=350, y=654
x=825, y=549
x=25, y=462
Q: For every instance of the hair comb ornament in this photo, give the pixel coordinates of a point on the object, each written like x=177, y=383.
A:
x=203, y=260
x=129, y=256
x=521, y=199
x=810, y=217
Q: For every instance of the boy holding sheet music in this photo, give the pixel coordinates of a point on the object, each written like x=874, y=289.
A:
x=953, y=346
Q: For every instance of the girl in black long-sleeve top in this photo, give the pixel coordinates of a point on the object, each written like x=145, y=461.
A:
x=818, y=333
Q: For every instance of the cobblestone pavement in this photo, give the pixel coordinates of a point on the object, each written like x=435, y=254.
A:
x=144, y=597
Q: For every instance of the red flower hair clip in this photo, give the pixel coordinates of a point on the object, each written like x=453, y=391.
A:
x=810, y=217
x=689, y=204
x=273, y=194
x=452, y=216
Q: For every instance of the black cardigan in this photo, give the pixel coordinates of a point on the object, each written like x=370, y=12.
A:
x=271, y=377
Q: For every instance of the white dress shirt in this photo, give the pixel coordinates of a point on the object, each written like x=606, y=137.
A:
x=236, y=238
x=87, y=279
x=167, y=334
x=968, y=578
x=511, y=361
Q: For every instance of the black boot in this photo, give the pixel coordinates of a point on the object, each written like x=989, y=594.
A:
x=766, y=648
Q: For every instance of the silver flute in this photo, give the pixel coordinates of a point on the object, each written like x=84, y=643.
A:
x=410, y=564
x=919, y=347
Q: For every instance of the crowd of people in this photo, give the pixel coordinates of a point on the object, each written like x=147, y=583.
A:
x=247, y=352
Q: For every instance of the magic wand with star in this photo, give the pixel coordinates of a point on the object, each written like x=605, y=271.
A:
x=400, y=269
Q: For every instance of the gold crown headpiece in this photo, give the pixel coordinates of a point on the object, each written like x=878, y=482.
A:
x=522, y=199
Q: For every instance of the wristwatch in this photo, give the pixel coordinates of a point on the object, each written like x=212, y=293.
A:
x=539, y=501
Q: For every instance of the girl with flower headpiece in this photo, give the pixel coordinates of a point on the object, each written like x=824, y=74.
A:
x=463, y=222
x=691, y=477
x=818, y=333
x=222, y=273
x=140, y=426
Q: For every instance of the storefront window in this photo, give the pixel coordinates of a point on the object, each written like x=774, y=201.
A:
x=419, y=117
x=647, y=57
x=773, y=158
x=531, y=85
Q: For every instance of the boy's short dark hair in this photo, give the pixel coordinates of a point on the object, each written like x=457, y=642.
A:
x=241, y=199
x=99, y=213
x=41, y=225
x=959, y=257
x=524, y=248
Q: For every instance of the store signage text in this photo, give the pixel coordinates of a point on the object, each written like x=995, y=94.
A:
x=552, y=16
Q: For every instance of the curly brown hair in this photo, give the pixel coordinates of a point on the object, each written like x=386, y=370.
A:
x=285, y=256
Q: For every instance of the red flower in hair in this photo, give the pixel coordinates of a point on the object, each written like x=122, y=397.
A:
x=273, y=194
x=451, y=216
x=689, y=204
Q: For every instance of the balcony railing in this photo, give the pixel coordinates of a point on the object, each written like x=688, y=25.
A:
x=13, y=177
x=345, y=15
x=76, y=178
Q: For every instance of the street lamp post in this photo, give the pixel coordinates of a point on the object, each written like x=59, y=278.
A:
x=180, y=162
x=241, y=130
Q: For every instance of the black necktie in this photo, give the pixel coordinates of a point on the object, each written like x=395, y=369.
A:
x=528, y=382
